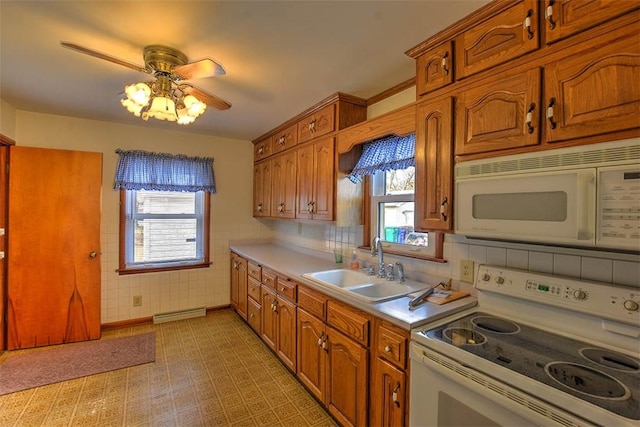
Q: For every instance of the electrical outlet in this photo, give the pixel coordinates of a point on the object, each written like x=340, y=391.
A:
x=137, y=300
x=466, y=271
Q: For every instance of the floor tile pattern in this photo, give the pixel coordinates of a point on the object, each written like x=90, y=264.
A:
x=209, y=371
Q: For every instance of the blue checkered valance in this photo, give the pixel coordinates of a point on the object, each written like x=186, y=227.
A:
x=142, y=170
x=383, y=154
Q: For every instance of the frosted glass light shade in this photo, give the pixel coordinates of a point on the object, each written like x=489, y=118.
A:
x=195, y=107
x=139, y=93
x=163, y=108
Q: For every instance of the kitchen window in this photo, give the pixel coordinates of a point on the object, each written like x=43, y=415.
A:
x=164, y=211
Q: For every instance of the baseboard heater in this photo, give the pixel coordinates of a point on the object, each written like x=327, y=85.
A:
x=179, y=315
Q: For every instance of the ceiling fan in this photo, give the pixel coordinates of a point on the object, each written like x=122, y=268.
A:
x=168, y=97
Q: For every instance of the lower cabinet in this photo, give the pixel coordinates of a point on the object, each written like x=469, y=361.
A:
x=279, y=325
x=239, y=280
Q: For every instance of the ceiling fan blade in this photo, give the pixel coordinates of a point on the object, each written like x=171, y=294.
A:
x=199, y=69
x=99, y=55
x=207, y=98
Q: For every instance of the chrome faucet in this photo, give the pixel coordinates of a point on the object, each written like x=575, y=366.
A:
x=376, y=249
x=400, y=272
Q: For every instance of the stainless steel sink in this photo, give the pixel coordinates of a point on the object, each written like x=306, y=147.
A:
x=362, y=286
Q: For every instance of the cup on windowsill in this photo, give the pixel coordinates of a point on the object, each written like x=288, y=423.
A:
x=337, y=253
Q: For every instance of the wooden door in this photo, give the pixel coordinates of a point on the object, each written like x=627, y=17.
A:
x=323, y=179
x=434, y=68
x=567, y=17
x=347, y=379
x=388, y=397
x=305, y=174
x=287, y=333
x=434, y=166
x=311, y=354
x=269, y=322
x=4, y=163
x=595, y=91
x=262, y=189
x=499, y=114
x=53, y=293
x=283, y=190
x=499, y=39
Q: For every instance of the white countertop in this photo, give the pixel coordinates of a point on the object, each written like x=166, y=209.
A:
x=294, y=262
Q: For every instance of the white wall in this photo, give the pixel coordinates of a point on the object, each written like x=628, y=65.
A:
x=231, y=213
x=608, y=267
x=7, y=120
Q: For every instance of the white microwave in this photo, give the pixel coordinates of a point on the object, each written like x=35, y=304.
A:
x=585, y=196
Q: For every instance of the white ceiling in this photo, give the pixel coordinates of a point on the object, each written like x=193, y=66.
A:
x=281, y=57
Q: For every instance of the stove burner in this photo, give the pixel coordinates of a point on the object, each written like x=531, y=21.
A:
x=495, y=324
x=462, y=336
x=585, y=380
x=610, y=359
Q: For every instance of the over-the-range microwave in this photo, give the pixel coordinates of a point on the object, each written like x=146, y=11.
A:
x=584, y=196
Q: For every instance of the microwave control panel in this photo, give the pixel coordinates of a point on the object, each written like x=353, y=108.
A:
x=619, y=207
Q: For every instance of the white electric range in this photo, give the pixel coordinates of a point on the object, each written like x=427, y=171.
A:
x=536, y=350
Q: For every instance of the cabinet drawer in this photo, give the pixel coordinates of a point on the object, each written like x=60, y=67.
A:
x=269, y=278
x=391, y=345
x=254, y=289
x=312, y=301
x=498, y=39
x=262, y=149
x=320, y=123
x=254, y=315
x=285, y=139
x=255, y=271
x=350, y=321
x=287, y=288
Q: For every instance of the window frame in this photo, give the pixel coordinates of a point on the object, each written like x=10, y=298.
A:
x=124, y=268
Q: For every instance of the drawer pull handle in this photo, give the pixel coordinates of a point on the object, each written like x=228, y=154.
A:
x=320, y=339
x=443, y=207
x=552, y=122
x=445, y=65
x=529, y=119
x=549, y=15
x=394, y=396
x=527, y=24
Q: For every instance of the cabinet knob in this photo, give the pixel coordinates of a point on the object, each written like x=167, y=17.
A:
x=93, y=254
x=281, y=207
x=259, y=207
x=387, y=349
x=282, y=140
x=394, y=396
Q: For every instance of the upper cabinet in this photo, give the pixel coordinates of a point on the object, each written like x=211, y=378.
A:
x=285, y=139
x=434, y=68
x=564, y=18
x=317, y=124
x=504, y=37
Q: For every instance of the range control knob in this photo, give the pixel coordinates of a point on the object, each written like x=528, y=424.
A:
x=631, y=305
x=580, y=295
x=499, y=280
x=486, y=277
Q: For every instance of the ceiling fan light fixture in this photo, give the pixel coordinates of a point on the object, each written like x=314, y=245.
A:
x=194, y=106
x=139, y=93
x=163, y=108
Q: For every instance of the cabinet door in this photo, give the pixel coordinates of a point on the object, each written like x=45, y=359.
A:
x=283, y=190
x=590, y=92
x=434, y=166
x=305, y=182
x=567, y=17
x=243, y=283
x=262, y=149
x=319, y=123
x=347, y=379
x=434, y=68
x=53, y=242
x=234, y=281
x=286, y=343
x=311, y=353
x=499, y=115
x=286, y=139
x=388, y=397
x=262, y=189
x=497, y=40
x=269, y=325
x=323, y=180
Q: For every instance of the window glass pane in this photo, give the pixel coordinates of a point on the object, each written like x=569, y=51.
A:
x=161, y=240
x=400, y=181
x=165, y=202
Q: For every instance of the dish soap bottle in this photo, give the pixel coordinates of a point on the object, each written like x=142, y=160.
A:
x=355, y=265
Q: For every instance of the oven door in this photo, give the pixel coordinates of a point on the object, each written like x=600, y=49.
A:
x=445, y=393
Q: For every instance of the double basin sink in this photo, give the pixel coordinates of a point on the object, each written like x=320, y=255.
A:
x=362, y=286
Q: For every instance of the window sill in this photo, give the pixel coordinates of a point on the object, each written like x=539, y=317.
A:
x=409, y=254
x=156, y=268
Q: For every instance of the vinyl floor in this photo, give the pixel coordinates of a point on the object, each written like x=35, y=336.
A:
x=209, y=371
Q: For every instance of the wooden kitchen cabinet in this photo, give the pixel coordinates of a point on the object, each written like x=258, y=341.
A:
x=499, y=114
x=279, y=320
x=317, y=124
x=434, y=68
x=262, y=149
x=239, y=283
x=254, y=294
x=564, y=18
x=283, y=188
x=269, y=332
x=594, y=90
x=501, y=38
x=262, y=189
x=312, y=359
x=316, y=176
x=434, y=166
